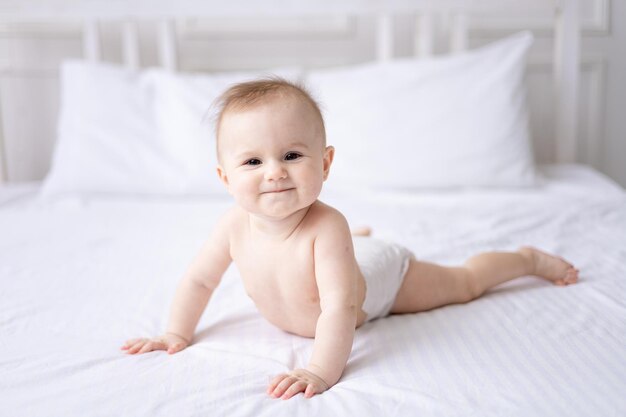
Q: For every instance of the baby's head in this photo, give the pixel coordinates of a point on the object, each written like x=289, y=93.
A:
x=247, y=95
x=271, y=146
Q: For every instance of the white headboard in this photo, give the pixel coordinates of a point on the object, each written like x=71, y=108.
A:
x=427, y=35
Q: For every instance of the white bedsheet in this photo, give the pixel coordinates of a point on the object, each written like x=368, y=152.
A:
x=80, y=276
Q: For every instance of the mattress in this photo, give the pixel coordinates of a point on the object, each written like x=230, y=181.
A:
x=79, y=275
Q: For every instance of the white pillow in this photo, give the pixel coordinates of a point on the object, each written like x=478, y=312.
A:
x=106, y=137
x=108, y=133
x=458, y=120
x=182, y=105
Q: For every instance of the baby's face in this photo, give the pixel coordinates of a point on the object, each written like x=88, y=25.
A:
x=272, y=157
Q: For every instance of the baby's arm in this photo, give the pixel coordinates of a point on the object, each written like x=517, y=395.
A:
x=336, y=276
x=193, y=293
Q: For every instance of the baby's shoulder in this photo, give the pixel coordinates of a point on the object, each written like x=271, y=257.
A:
x=325, y=218
x=230, y=220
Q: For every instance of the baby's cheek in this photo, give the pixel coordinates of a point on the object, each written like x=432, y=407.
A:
x=242, y=194
x=247, y=202
x=314, y=188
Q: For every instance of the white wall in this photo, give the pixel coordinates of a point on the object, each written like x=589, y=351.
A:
x=30, y=54
x=614, y=156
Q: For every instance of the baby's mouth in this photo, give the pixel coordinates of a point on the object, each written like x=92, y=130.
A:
x=280, y=190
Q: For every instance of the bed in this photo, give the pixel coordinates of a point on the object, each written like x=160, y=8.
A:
x=81, y=276
x=92, y=254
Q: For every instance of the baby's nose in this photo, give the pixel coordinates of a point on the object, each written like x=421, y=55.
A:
x=275, y=171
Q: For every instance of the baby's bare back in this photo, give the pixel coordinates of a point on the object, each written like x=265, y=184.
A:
x=279, y=274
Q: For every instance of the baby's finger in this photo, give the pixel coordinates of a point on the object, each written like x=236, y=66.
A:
x=310, y=391
x=147, y=347
x=283, y=385
x=153, y=345
x=136, y=346
x=176, y=347
x=295, y=388
x=129, y=343
x=275, y=382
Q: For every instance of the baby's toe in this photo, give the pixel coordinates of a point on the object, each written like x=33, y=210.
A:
x=572, y=276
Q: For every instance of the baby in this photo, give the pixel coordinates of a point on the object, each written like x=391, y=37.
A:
x=296, y=256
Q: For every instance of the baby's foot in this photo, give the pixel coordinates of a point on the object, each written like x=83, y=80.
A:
x=550, y=267
x=362, y=231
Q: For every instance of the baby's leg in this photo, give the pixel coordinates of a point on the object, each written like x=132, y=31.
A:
x=427, y=286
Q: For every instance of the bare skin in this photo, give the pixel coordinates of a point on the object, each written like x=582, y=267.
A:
x=427, y=285
x=295, y=253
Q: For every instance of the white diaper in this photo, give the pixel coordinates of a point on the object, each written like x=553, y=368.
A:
x=383, y=265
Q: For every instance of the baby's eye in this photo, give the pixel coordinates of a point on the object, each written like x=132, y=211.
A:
x=291, y=156
x=253, y=161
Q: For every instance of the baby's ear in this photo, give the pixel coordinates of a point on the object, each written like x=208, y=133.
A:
x=329, y=154
x=222, y=175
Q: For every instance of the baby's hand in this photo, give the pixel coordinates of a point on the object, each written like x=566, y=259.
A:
x=287, y=385
x=169, y=341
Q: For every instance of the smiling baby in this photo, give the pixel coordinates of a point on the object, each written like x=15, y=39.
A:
x=297, y=258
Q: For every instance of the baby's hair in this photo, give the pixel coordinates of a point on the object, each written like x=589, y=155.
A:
x=248, y=94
